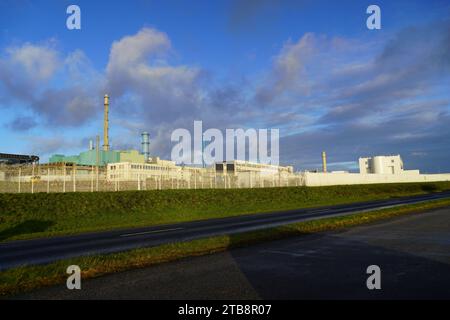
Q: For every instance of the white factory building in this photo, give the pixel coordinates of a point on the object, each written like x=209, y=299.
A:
x=154, y=167
x=242, y=174
x=377, y=169
x=383, y=165
x=238, y=166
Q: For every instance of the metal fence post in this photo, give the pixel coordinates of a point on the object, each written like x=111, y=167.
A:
x=20, y=177
x=64, y=178
x=74, y=173
x=48, y=179
x=96, y=183
x=195, y=180
x=92, y=178
x=32, y=179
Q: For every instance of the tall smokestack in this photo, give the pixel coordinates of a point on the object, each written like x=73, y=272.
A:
x=324, y=161
x=145, y=145
x=106, y=124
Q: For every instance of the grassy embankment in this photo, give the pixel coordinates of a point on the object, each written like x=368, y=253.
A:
x=39, y=215
x=32, y=277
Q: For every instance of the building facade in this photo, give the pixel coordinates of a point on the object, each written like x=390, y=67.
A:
x=236, y=167
x=89, y=158
x=383, y=165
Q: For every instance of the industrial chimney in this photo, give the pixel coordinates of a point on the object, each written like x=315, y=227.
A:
x=145, y=145
x=106, y=124
x=324, y=161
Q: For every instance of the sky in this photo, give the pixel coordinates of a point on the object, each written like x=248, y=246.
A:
x=309, y=68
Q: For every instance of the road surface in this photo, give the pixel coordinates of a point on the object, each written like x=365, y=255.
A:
x=413, y=253
x=41, y=251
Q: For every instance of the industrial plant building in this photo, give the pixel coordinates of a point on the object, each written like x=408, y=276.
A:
x=236, y=167
x=377, y=169
x=11, y=159
x=99, y=158
x=134, y=165
x=383, y=165
x=102, y=169
x=102, y=156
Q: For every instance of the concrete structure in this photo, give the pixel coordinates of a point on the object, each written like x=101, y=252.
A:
x=9, y=158
x=89, y=158
x=106, y=123
x=383, y=165
x=154, y=168
x=166, y=174
x=315, y=179
x=238, y=166
x=324, y=161
x=245, y=174
x=377, y=169
x=160, y=162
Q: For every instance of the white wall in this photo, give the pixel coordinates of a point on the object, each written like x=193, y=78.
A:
x=329, y=179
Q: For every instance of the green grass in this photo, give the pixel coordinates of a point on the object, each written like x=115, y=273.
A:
x=39, y=215
x=23, y=279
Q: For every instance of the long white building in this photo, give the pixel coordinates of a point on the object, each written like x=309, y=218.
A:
x=236, y=167
x=154, y=168
x=377, y=169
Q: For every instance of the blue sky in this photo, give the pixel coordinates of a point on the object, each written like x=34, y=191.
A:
x=310, y=68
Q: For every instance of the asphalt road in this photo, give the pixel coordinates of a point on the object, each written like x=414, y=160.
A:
x=413, y=253
x=41, y=251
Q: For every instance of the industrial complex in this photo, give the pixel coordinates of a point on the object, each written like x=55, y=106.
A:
x=101, y=169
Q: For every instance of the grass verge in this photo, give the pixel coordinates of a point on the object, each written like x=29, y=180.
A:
x=24, y=216
x=27, y=278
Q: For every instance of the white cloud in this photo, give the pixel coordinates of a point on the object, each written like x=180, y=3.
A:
x=136, y=71
x=38, y=63
x=136, y=49
x=288, y=70
x=28, y=73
